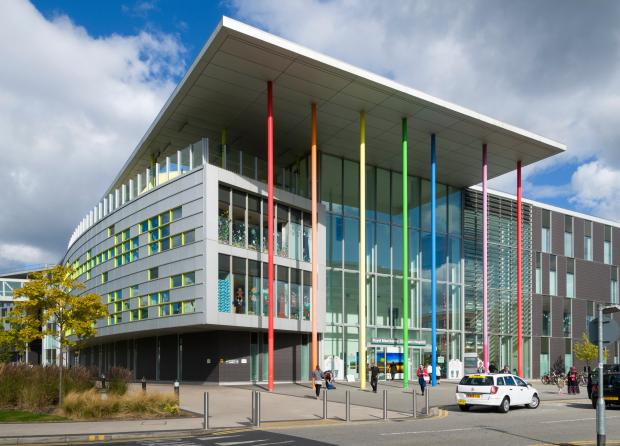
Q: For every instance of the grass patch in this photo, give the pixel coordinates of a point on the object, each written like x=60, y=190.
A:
x=22, y=416
x=92, y=405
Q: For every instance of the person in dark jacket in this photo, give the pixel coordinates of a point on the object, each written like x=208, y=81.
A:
x=393, y=370
x=374, y=377
x=589, y=383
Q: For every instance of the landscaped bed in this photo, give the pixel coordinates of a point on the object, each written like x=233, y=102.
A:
x=30, y=394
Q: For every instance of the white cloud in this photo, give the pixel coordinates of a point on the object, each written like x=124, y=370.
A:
x=550, y=67
x=72, y=108
x=597, y=188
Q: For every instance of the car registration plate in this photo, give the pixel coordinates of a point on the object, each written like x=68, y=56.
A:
x=473, y=395
x=610, y=398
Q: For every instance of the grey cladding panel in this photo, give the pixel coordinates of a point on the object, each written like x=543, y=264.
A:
x=557, y=233
x=578, y=237
x=615, y=245
x=592, y=280
x=557, y=313
x=536, y=315
x=598, y=235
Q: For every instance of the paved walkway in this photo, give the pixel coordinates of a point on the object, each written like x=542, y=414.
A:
x=230, y=407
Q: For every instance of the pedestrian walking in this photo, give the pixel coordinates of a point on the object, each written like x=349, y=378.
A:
x=573, y=381
x=393, y=370
x=438, y=370
x=422, y=377
x=374, y=377
x=589, y=387
x=318, y=380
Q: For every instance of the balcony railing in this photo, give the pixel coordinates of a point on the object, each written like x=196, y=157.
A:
x=184, y=161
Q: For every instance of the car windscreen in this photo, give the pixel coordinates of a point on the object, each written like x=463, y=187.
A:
x=477, y=381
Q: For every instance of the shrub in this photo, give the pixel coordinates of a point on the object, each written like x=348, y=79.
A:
x=118, y=378
x=35, y=387
x=91, y=404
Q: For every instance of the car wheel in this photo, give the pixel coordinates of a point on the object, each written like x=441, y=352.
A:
x=464, y=407
x=505, y=405
x=534, y=403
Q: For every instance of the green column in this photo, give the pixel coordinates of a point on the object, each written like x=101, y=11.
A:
x=405, y=264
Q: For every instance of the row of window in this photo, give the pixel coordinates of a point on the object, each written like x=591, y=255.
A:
x=242, y=222
x=570, y=278
x=242, y=282
x=162, y=310
x=569, y=239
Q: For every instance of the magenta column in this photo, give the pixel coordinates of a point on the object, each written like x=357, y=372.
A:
x=485, y=246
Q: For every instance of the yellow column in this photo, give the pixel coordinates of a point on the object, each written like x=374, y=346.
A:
x=362, y=284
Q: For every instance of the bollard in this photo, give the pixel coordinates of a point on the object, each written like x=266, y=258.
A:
x=143, y=384
x=385, y=412
x=428, y=399
x=176, y=390
x=205, y=421
x=257, y=408
x=253, y=398
x=415, y=405
x=103, y=381
x=325, y=404
x=348, y=405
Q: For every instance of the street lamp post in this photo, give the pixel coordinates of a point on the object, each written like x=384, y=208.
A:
x=600, y=402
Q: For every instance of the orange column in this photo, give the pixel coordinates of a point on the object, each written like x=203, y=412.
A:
x=315, y=253
x=270, y=218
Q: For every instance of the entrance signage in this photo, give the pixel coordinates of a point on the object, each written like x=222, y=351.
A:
x=387, y=341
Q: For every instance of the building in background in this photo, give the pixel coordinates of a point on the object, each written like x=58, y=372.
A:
x=43, y=351
x=178, y=245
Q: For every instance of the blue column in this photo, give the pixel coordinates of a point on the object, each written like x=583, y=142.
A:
x=433, y=260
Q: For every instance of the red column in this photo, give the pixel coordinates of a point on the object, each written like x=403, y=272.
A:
x=270, y=217
x=519, y=290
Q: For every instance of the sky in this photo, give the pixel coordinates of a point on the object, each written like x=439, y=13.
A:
x=81, y=82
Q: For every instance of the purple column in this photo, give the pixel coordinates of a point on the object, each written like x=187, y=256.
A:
x=485, y=242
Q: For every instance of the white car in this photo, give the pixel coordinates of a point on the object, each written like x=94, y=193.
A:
x=500, y=390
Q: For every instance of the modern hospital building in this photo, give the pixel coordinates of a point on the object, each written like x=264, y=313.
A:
x=286, y=206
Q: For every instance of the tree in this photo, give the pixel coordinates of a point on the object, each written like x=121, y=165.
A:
x=586, y=351
x=50, y=305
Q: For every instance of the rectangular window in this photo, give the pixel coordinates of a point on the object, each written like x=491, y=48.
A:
x=104, y=277
x=177, y=240
x=111, y=231
x=164, y=310
x=164, y=297
x=189, y=278
x=587, y=240
x=538, y=273
x=570, y=277
x=134, y=290
x=567, y=318
x=553, y=282
x=590, y=308
x=176, y=281
x=607, y=245
x=614, y=285
x=546, y=316
x=153, y=298
x=224, y=219
x=144, y=313
x=177, y=213
x=568, y=236
x=189, y=306
x=144, y=226
x=545, y=239
x=153, y=273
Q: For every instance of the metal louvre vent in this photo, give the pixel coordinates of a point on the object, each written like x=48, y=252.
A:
x=502, y=263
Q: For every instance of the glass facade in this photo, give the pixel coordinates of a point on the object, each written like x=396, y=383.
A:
x=384, y=234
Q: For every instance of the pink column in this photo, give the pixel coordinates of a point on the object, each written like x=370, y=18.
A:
x=519, y=273
x=485, y=242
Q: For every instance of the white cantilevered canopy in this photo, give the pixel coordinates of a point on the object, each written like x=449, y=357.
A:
x=226, y=88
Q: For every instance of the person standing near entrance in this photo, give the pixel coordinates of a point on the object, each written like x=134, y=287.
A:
x=317, y=375
x=374, y=377
x=422, y=375
x=393, y=370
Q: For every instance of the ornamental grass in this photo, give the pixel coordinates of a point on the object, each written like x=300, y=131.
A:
x=92, y=404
